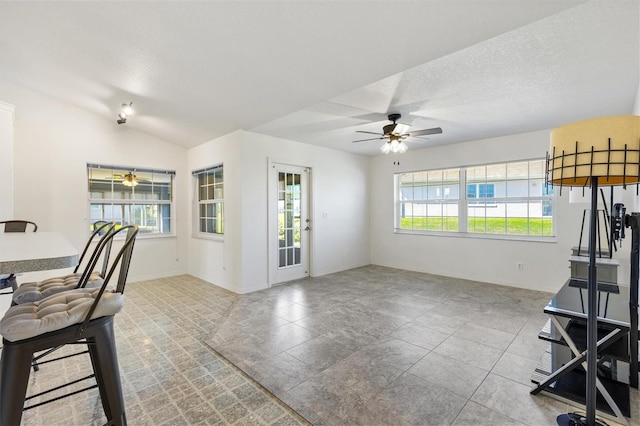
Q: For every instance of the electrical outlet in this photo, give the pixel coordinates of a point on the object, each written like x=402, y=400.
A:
x=519, y=266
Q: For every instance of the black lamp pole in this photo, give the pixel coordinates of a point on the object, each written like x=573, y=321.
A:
x=592, y=310
x=592, y=325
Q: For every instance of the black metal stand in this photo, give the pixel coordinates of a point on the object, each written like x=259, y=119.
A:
x=574, y=419
x=619, y=221
x=605, y=220
x=592, y=323
x=633, y=221
x=617, y=232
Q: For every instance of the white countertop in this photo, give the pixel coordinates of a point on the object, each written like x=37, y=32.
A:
x=35, y=251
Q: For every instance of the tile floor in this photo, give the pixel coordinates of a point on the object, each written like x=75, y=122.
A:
x=169, y=376
x=372, y=345
x=380, y=346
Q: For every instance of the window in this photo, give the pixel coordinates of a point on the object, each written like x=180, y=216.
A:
x=429, y=200
x=480, y=190
x=500, y=199
x=128, y=196
x=209, y=207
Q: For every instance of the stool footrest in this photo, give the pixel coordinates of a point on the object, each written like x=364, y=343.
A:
x=73, y=382
x=36, y=360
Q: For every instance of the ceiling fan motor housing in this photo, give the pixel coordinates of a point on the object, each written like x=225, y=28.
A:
x=394, y=117
x=389, y=128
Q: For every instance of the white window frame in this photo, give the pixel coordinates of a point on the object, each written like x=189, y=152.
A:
x=213, y=202
x=438, y=199
x=464, y=204
x=131, y=201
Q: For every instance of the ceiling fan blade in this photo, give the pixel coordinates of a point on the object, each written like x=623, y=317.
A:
x=401, y=128
x=417, y=140
x=433, y=131
x=365, y=140
x=372, y=133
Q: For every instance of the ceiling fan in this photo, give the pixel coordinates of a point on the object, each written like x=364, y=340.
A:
x=127, y=179
x=395, y=134
x=130, y=179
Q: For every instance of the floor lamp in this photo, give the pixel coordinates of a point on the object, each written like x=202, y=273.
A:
x=592, y=153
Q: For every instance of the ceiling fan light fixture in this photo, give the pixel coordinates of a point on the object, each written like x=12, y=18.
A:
x=127, y=109
x=125, y=112
x=394, y=145
x=385, y=148
x=130, y=180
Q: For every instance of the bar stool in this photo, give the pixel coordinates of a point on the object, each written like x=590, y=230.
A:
x=34, y=291
x=82, y=315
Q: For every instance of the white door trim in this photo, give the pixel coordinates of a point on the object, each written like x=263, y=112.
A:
x=274, y=275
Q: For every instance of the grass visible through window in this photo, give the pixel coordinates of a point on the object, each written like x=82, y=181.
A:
x=490, y=225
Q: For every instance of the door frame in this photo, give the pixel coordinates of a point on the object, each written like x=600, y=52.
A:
x=272, y=213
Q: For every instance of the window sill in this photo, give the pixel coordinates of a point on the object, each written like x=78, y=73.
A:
x=524, y=238
x=210, y=237
x=154, y=236
x=122, y=236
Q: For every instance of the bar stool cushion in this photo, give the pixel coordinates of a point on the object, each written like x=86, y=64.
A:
x=57, y=312
x=35, y=291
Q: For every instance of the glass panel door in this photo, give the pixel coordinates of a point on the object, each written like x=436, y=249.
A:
x=289, y=223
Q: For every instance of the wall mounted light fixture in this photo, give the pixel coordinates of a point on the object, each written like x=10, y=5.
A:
x=125, y=112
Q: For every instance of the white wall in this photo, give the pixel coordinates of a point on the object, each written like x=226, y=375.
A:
x=7, y=119
x=490, y=260
x=339, y=202
x=218, y=260
x=636, y=105
x=339, y=188
x=53, y=141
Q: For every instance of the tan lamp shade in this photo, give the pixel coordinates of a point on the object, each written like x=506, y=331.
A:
x=606, y=148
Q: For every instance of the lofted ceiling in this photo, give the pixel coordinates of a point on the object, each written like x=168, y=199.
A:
x=317, y=71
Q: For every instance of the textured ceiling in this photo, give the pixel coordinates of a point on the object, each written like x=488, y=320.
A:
x=317, y=71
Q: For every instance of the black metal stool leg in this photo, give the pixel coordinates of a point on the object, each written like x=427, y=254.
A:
x=105, y=364
x=15, y=366
x=97, y=371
